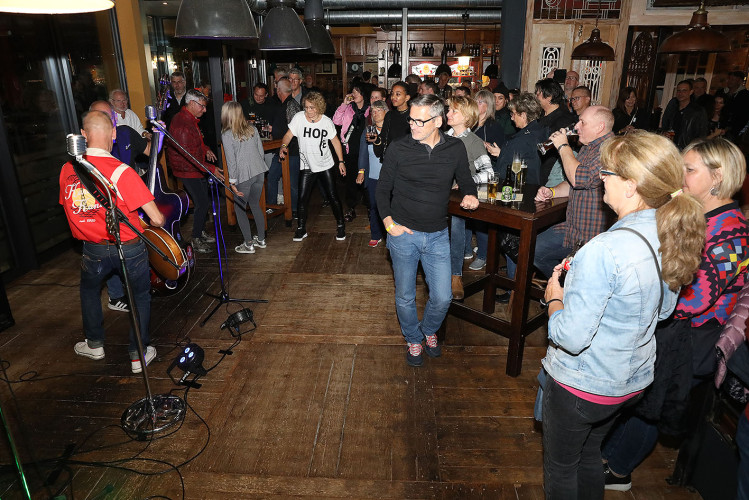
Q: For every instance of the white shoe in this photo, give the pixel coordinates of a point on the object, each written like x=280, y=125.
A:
x=258, y=243
x=150, y=354
x=279, y=199
x=82, y=349
x=244, y=248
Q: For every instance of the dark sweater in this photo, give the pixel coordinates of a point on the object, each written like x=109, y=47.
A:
x=415, y=182
x=394, y=127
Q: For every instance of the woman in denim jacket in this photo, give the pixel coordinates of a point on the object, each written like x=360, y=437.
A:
x=601, y=346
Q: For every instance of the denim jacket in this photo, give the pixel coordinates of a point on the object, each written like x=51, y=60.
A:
x=602, y=341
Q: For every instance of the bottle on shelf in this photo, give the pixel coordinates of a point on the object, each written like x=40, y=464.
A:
x=423, y=50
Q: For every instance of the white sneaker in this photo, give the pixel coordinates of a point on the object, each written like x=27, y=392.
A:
x=82, y=349
x=279, y=199
x=258, y=243
x=150, y=354
x=244, y=248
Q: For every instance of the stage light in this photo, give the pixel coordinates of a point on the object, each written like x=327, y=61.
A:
x=190, y=361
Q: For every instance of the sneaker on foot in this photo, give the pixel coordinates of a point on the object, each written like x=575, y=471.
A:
x=616, y=483
x=120, y=305
x=198, y=245
x=432, y=348
x=340, y=233
x=207, y=237
x=150, y=354
x=477, y=264
x=350, y=215
x=413, y=355
x=300, y=234
x=244, y=248
x=269, y=211
x=82, y=349
x=467, y=256
x=374, y=243
x=258, y=242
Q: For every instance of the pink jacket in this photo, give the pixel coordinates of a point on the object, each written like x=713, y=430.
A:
x=343, y=117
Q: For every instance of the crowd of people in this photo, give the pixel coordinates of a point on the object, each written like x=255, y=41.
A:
x=657, y=237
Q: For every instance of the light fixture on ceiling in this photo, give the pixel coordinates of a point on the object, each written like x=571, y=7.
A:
x=282, y=29
x=594, y=47
x=464, y=56
x=215, y=19
x=54, y=6
x=697, y=37
x=319, y=37
x=492, y=71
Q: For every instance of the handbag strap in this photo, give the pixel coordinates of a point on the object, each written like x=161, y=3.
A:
x=655, y=258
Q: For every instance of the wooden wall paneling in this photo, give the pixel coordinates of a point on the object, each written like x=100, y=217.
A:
x=354, y=46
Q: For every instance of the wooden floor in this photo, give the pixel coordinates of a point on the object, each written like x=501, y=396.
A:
x=318, y=402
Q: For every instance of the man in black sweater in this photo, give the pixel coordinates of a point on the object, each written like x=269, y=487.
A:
x=412, y=195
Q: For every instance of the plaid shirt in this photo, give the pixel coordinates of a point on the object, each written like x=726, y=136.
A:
x=586, y=212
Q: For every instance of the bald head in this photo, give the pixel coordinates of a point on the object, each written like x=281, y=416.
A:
x=605, y=116
x=102, y=106
x=98, y=129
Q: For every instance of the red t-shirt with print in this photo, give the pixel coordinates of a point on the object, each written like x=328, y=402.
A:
x=86, y=217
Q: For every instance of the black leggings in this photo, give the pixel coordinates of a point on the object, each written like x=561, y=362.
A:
x=354, y=191
x=306, y=181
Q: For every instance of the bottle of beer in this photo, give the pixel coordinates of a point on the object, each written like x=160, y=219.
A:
x=506, y=189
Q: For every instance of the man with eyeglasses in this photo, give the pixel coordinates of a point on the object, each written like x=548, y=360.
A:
x=297, y=91
x=124, y=115
x=587, y=215
x=412, y=195
x=580, y=99
x=184, y=128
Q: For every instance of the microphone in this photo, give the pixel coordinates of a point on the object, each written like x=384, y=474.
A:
x=151, y=113
x=76, y=145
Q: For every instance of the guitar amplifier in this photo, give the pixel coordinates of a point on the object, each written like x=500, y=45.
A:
x=6, y=318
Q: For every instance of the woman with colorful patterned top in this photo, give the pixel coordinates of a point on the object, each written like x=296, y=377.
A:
x=714, y=171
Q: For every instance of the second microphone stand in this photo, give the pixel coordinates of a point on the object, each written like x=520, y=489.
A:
x=223, y=297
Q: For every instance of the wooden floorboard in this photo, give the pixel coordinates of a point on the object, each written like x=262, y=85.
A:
x=317, y=402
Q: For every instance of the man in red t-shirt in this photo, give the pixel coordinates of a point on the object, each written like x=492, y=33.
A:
x=185, y=130
x=87, y=220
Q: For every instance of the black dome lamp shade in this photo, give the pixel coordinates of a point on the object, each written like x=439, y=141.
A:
x=594, y=47
x=697, y=37
x=282, y=29
x=319, y=37
x=215, y=19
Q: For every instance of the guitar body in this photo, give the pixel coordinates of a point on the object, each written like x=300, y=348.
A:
x=165, y=279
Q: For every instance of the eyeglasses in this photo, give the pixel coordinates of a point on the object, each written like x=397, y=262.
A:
x=605, y=173
x=417, y=122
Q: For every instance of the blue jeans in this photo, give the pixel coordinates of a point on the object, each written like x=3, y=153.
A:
x=274, y=174
x=460, y=244
x=550, y=249
x=115, y=290
x=482, y=241
x=433, y=250
x=742, y=442
x=629, y=443
x=573, y=432
x=99, y=261
x=375, y=222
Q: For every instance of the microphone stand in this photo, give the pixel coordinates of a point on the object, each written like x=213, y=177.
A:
x=223, y=297
x=151, y=414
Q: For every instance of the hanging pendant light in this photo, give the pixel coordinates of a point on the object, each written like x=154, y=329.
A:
x=319, y=37
x=594, y=47
x=464, y=56
x=215, y=19
x=697, y=37
x=282, y=29
x=54, y=6
x=492, y=71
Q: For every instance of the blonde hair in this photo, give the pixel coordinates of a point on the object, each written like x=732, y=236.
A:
x=467, y=107
x=655, y=165
x=317, y=100
x=719, y=153
x=232, y=119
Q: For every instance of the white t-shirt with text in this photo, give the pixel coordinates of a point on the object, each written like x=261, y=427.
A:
x=314, y=148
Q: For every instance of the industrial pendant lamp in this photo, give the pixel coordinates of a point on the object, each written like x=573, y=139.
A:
x=492, y=71
x=215, y=19
x=464, y=56
x=697, y=37
x=54, y=6
x=594, y=47
x=282, y=29
x=319, y=37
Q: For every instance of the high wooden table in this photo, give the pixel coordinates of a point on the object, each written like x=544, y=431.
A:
x=529, y=218
x=283, y=209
